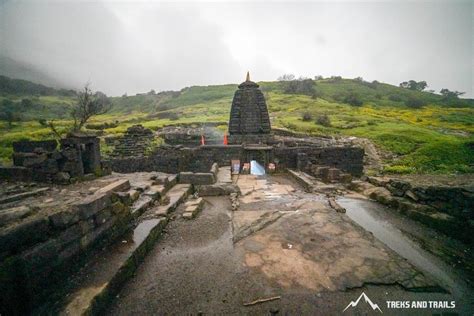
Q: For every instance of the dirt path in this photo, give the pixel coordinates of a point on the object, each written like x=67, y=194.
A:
x=280, y=242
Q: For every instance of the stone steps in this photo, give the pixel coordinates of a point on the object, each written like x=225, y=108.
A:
x=99, y=281
x=310, y=183
x=192, y=207
x=302, y=179
x=91, y=289
x=176, y=195
x=153, y=193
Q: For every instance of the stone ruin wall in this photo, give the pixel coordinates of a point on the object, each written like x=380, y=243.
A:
x=42, y=161
x=135, y=142
x=40, y=250
x=200, y=159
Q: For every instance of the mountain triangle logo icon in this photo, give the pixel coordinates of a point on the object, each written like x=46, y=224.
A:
x=367, y=300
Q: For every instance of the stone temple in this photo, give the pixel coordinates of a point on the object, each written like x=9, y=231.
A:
x=249, y=119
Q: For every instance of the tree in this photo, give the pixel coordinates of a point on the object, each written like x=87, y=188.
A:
x=300, y=86
x=413, y=85
x=318, y=77
x=88, y=105
x=447, y=94
x=8, y=113
x=286, y=77
x=26, y=103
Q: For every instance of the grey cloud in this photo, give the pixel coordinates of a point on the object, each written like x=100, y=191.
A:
x=134, y=47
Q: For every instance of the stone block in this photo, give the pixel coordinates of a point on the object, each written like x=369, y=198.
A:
x=116, y=186
x=91, y=205
x=102, y=216
x=92, y=237
x=62, y=178
x=16, y=173
x=197, y=178
x=30, y=146
x=398, y=187
x=15, y=213
x=333, y=174
x=26, y=233
x=217, y=189
x=72, y=233
x=64, y=218
x=123, y=197
x=381, y=195
x=34, y=160
x=70, y=251
x=345, y=177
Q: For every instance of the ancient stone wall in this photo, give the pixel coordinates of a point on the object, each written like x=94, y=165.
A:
x=348, y=159
x=42, y=161
x=37, y=250
x=449, y=209
x=199, y=159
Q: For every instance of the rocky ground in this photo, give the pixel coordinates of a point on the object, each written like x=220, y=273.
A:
x=277, y=243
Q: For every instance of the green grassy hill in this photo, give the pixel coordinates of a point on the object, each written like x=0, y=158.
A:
x=423, y=132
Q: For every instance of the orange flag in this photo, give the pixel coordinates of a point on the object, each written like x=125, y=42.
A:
x=225, y=139
x=202, y=140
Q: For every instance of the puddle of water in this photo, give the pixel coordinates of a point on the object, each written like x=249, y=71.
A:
x=372, y=217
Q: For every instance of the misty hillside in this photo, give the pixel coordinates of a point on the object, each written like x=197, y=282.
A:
x=409, y=127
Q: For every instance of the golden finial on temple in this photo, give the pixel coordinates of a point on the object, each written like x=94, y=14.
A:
x=248, y=77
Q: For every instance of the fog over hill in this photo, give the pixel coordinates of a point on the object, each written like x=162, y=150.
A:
x=138, y=46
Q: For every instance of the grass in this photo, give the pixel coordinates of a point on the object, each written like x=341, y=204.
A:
x=434, y=139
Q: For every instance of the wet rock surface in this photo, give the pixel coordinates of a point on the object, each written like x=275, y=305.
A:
x=280, y=241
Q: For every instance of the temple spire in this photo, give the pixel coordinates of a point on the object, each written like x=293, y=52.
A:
x=248, y=77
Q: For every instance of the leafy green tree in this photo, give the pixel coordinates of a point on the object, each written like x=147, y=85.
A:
x=414, y=85
x=8, y=112
x=26, y=103
x=447, y=94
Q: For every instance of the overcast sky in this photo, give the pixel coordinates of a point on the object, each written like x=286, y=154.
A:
x=130, y=46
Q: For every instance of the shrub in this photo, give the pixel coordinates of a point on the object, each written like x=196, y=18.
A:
x=394, y=97
x=353, y=99
x=399, y=169
x=306, y=117
x=415, y=103
x=323, y=120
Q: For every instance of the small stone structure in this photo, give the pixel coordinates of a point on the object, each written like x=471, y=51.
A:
x=200, y=178
x=249, y=120
x=42, y=161
x=136, y=141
